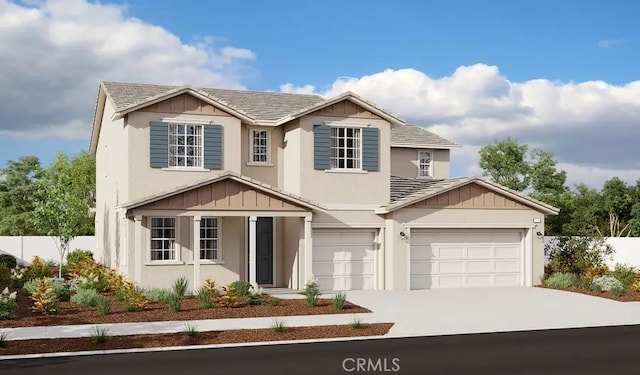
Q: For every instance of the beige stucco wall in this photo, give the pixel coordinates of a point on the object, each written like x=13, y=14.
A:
x=147, y=181
x=265, y=173
x=338, y=187
x=447, y=218
x=404, y=162
x=291, y=241
x=290, y=163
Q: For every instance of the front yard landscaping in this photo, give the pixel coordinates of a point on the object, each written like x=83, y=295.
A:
x=102, y=341
x=91, y=293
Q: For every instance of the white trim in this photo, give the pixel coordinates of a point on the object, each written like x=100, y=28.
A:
x=219, y=239
x=138, y=241
x=425, y=145
x=308, y=250
x=186, y=169
x=245, y=256
x=164, y=263
x=252, y=250
x=190, y=121
x=381, y=255
x=206, y=262
x=351, y=207
x=220, y=213
x=466, y=225
x=177, y=246
x=347, y=226
x=430, y=171
x=251, y=162
x=346, y=170
x=355, y=126
x=528, y=254
x=195, y=246
x=407, y=249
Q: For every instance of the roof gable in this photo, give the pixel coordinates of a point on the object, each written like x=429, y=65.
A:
x=471, y=195
x=185, y=103
x=345, y=108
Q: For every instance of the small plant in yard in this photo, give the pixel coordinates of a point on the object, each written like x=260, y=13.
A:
x=255, y=297
x=132, y=296
x=625, y=273
x=180, y=287
x=45, y=300
x=636, y=286
x=158, y=294
x=339, y=300
x=312, y=293
x=8, y=260
x=18, y=276
x=87, y=297
x=356, y=323
x=560, y=280
x=275, y=301
x=229, y=297
x=174, y=301
x=99, y=335
x=191, y=330
x=241, y=288
x=5, y=274
x=3, y=340
x=607, y=284
x=39, y=268
x=8, y=304
x=89, y=281
x=205, y=298
x=103, y=305
x=77, y=256
x=61, y=287
x=582, y=282
x=279, y=326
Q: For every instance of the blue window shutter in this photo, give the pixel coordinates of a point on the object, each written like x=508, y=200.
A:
x=321, y=147
x=158, y=144
x=213, y=146
x=370, y=149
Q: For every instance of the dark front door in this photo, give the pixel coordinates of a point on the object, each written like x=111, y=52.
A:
x=264, y=250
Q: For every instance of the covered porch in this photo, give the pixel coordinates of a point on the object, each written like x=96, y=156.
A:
x=226, y=229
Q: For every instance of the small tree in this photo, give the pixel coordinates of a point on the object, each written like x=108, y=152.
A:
x=63, y=200
x=577, y=254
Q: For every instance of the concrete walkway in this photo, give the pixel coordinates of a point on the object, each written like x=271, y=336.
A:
x=118, y=329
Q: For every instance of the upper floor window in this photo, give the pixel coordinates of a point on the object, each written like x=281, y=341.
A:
x=163, y=238
x=425, y=164
x=185, y=145
x=259, y=149
x=210, y=239
x=346, y=149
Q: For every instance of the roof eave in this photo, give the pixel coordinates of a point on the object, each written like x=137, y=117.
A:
x=425, y=145
x=97, y=120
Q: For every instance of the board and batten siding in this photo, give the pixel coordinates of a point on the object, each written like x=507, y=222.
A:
x=470, y=196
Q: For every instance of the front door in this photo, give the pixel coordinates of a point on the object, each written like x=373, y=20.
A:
x=264, y=250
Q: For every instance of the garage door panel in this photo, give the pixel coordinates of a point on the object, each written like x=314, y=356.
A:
x=470, y=258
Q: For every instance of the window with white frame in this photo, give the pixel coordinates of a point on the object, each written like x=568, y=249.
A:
x=259, y=146
x=346, y=148
x=163, y=238
x=424, y=164
x=210, y=239
x=185, y=145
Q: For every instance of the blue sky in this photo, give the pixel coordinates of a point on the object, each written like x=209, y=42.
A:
x=413, y=49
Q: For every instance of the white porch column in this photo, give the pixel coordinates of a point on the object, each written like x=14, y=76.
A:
x=138, y=245
x=308, y=250
x=252, y=250
x=381, y=255
x=196, y=253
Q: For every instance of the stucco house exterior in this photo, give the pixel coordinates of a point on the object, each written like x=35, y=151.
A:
x=278, y=189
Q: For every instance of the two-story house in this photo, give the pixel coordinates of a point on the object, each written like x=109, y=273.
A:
x=278, y=189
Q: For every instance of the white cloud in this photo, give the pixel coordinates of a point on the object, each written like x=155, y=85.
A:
x=56, y=52
x=292, y=89
x=608, y=43
x=591, y=127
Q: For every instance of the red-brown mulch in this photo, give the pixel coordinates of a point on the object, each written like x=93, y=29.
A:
x=181, y=339
x=71, y=313
x=627, y=296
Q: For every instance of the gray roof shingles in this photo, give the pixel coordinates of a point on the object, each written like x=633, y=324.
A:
x=412, y=135
x=403, y=188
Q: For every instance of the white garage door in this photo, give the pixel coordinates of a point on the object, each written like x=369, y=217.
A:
x=344, y=259
x=469, y=258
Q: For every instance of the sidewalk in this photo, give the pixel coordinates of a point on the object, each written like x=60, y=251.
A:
x=120, y=329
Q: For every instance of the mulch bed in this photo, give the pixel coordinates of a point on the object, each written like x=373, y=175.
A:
x=181, y=339
x=627, y=296
x=71, y=313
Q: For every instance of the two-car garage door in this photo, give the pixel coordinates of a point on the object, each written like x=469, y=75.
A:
x=344, y=259
x=465, y=258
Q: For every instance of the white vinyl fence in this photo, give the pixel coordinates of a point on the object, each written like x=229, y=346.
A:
x=627, y=250
x=24, y=248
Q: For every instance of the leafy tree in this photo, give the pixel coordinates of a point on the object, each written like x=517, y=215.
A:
x=63, y=199
x=17, y=187
x=634, y=221
x=617, y=204
x=586, y=213
x=577, y=255
x=505, y=163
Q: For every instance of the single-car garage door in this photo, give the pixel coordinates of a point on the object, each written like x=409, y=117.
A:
x=344, y=259
x=465, y=258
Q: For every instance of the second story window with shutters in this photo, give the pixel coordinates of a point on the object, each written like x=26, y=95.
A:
x=185, y=145
x=345, y=148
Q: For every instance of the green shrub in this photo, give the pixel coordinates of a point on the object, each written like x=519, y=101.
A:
x=103, y=305
x=100, y=335
x=78, y=255
x=39, y=269
x=61, y=287
x=356, y=323
x=8, y=304
x=18, y=276
x=174, y=302
x=275, y=301
x=87, y=297
x=180, y=287
x=5, y=274
x=577, y=255
x=191, y=330
x=241, y=288
x=45, y=300
x=339, y=300
x=561, y=280
x=132, y=296
x=625, y=273
x=312, y=293
x=8, y=260
x=255, y=297
x=205, y=298
x=582, y=282
x=607, y=283
x=158, y=294
x=279, y=326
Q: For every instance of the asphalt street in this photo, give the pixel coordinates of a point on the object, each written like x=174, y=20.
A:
x=603, y=350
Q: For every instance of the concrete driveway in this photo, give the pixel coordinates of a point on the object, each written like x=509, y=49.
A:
x=478, y=310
